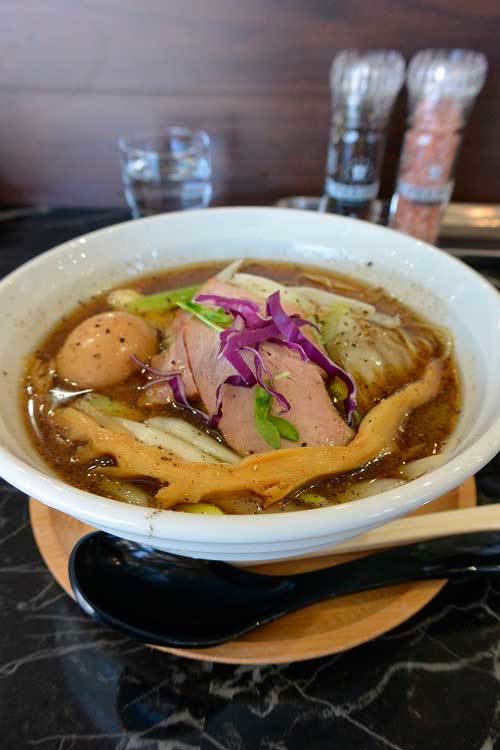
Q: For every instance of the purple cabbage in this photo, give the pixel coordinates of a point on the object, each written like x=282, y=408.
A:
x=291, y=332
x=173, y=378
x=277, y=328
x=247, y=310
x=249, y=332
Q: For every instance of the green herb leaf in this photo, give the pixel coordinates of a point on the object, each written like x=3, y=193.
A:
x=268, y=432
x=285, y=428
x=262, y=398
x=270, y=428
x=214, y=317
x=161, y=302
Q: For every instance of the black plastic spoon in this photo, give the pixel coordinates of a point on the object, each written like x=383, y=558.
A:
x=180, y=602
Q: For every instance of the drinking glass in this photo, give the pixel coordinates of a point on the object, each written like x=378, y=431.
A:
x=167, y=170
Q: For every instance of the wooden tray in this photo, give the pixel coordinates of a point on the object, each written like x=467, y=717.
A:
x=318, y=630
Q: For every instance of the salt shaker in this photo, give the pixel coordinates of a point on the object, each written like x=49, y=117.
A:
x=364, y=87
x=442, y=86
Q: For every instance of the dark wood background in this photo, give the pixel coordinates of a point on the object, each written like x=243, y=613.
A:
x=74, y=75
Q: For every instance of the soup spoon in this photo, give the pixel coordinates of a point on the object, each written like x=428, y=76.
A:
x=180, y=602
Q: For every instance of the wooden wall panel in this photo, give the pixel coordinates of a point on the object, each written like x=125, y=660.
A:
x=254, y=73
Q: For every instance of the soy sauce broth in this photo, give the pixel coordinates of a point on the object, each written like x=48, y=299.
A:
x=423, y=433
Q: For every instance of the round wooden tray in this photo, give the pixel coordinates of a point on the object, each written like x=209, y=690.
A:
x=318, y=630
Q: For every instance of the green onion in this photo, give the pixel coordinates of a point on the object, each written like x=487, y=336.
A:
x=338, y=390
x=281, y=376
x=206, y=509
x=285, y=428
x=266, y=429
x=311, y=498
x=163, y=301
x=270, y=428
x=214, y=317
x=111, y=408
x=126, y=492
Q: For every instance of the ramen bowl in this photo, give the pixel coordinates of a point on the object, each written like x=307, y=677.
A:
x=37, y=295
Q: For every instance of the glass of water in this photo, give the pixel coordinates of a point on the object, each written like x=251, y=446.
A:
x=167, y=170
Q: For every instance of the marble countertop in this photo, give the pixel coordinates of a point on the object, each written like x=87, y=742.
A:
x=69, y=684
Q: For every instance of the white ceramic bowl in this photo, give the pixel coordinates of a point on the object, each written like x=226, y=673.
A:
x=35, y=296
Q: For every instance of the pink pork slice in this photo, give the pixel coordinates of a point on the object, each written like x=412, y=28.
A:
x=312, y=411
x=174, y=358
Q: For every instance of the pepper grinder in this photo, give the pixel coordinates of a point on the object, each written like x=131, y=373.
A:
x=364, y=87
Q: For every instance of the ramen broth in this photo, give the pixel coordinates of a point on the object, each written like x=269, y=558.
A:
x=422, y=434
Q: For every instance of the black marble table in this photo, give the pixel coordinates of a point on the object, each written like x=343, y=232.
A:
x=69, y=684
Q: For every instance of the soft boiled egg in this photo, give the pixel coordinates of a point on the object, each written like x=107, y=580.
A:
x=99, y=351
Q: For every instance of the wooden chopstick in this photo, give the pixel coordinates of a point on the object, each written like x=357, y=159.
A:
x=419, y=528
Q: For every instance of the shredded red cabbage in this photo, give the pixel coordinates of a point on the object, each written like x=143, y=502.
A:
x=234, y=380
x=260, y=371
x=277, y=328
x=154, y=372
x=289, y=328
x=173, y=378
x=249, y=331
x=247, y=310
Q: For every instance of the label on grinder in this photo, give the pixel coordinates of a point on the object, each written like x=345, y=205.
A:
x=425, y=193
x=341, y=191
